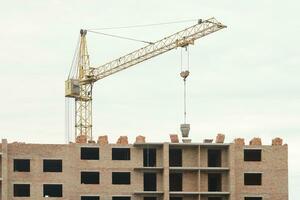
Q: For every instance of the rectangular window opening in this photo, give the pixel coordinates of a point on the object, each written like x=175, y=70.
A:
x=120, y=153
x=121, y=178
x=214, y=182
x=53, y=190
x=150, y=198
x=90, y=198
x=176, y=198
x=90, y=177
x=21, y=190
x=253, y=198
x=52, y=165
x=121, y=198
x=175, y=157
x=149, y=181
x=215, y=198
x=149, y=156
x=21, y=165
x=252, y=178
x=175, y=181
x=89, y=153
x=252, y=154
x=214, y=157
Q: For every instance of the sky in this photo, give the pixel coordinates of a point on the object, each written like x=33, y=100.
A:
x=243, y=82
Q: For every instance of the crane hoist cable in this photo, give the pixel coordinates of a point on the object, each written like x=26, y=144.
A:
x=185, y=128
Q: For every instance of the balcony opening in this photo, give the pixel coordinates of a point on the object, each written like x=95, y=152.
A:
x=176, y=198
x=253, y=198
x=149, y=181
x=89, y=153
x=175, y=157
x=149, y=157
x=52, y=165
x=90, y=177
x=175, y=181
x=90, y=198
x=120, y=153
x=21, y=165
x=214, y=182
x=21, y=190
x=252, y=155
x=252, y=178
x=121, y=198
x=53, y=190
x=150, y=198
x=214, y=157
x=120, y=178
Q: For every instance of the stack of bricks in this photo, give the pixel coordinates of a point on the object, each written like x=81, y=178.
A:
x=102, y=140
x=220, y=138
x=255, y=141
x=174, y=138
x=277, y=142
x=239, y=141
x=122, y=140
x=140, y=139
x=81, y=139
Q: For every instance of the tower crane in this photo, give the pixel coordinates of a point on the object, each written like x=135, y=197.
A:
x=80, y=85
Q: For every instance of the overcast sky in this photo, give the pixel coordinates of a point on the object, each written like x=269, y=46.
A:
x=244, y=80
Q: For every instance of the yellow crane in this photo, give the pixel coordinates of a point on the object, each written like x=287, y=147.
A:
x=80, y=86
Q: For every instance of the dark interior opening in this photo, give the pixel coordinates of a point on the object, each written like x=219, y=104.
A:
x=149, y=157
x=90, y=198
x=252, y=155
x=214, y=157
x=89, y=153
x=90, y=177
x=121, y=178
x=252, y=178
x=52, y=165
x=121, y=198
x=175, y=180
x=120, y=153
x=215, y=198
x=149, y=181
x=150, y=198
x=176, y=198
x=21, y=165
x=253, y=198
x=214, y=182
x=53, y=190
x=175, y=157
x=21, y=190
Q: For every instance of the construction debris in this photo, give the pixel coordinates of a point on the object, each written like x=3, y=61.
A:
x=208, y=140
x=102, y=140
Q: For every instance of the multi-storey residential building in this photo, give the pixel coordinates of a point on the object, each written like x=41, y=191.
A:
x=145, y=171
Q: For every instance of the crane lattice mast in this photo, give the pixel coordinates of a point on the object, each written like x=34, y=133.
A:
x=80, y=86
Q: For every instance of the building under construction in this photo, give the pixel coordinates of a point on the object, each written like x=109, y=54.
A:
x=89, y=170
x=212, y=170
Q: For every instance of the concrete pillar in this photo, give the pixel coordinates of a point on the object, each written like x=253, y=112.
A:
x=4, y=170
x=166, y=172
